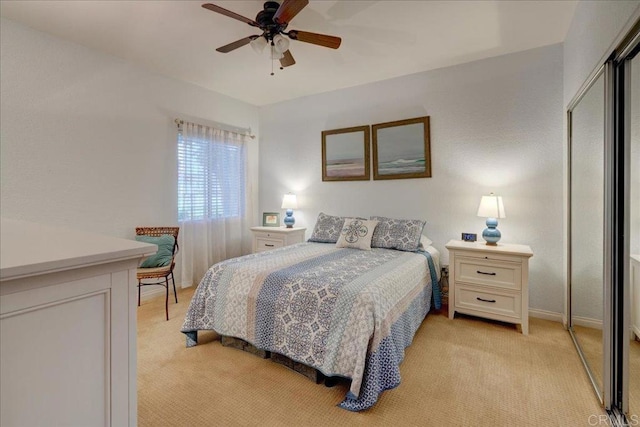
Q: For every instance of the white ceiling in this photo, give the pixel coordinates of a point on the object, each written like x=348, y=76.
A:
x=380, y=39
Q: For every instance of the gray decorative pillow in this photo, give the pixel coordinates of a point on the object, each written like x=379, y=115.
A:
x=402, y=234
x=327, y=229
x=356, y=233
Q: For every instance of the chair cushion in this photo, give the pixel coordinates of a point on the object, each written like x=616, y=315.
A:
x=150, y=273
x=164, y=255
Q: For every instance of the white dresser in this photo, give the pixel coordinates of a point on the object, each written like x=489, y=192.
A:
x=490, y=281
x=67, y=327
x=267, y=238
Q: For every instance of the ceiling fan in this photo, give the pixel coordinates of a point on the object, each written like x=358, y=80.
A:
x=273, y=21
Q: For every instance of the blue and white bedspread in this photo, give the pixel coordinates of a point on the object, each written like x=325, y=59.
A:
x=345, y=312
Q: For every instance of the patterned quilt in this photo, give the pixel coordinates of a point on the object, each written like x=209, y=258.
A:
x=345, y=312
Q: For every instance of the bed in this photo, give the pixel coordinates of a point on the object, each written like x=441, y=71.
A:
x=345, y=312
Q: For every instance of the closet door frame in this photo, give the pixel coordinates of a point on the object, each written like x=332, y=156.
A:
x=617, y=150
x=621, y=292
x=603, y=394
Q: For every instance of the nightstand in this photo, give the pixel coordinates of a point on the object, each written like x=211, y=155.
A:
x=490, y=281
x=267, y=238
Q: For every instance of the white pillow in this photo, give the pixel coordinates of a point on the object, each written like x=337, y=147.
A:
x=356, y=233
x=425, y=242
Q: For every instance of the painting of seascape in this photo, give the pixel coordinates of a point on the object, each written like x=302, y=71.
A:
x=401, y=149
x=345, y=167
x=345, y=154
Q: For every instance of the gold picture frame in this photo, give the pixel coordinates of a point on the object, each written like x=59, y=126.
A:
x=346, y=154
x=402, y=149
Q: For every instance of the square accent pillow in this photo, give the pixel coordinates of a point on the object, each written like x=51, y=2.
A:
x=163, y=257
x=401, y=234
x=356, y=233
x=327, y=229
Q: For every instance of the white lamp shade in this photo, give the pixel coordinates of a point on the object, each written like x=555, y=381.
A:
x=275, y=54
x=280, y=43
x=289, y=201
x=491, y=206
x=258, y=44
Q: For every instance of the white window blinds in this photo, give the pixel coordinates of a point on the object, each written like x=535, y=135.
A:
x=211, y=173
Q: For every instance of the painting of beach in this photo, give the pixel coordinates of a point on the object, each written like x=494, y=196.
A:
x=401, y=149
x=345, y=167
x=401, y=166
x=345, y=154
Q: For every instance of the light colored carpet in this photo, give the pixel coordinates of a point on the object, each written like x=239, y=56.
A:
x=462, y=372
x=590, y=340
x=634, y=379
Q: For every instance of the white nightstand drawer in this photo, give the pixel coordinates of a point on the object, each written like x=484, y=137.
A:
x=500, y=274
x=267, y=238
x=501, y=303
x=268, y=235
x=263, y=244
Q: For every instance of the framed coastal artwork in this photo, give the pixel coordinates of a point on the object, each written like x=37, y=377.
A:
x=345, y=154
x=401, y=149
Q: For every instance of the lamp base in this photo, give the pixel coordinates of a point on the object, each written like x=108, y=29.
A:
x=289, y=220
x=491, y=234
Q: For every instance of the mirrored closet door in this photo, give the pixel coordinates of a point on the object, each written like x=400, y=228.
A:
x=603, y=257
x=632, y=136
x=586, y=218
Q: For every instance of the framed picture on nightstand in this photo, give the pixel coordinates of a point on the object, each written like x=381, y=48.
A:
x=270, y=219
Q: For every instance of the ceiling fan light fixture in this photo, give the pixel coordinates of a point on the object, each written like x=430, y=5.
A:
x=275, y=54
x=280, y=43
x=258, y=44
x=273, y=20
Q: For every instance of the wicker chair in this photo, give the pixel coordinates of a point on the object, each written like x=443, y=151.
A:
x=159, y=273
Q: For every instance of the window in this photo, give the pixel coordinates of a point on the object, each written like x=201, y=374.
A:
x=211, y=174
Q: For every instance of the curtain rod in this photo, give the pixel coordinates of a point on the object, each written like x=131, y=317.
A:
x=220, y=126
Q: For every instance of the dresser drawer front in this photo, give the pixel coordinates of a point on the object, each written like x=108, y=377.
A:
x=502, y=303
x=500, y=274
x=269, y=235
x=263, y=244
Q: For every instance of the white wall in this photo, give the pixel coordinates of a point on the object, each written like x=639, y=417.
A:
x=634, y=226
x=496, y=125
x=595, y=30
x=88, y=140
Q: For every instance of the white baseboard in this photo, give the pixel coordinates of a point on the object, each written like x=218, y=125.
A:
x=587, y=322
x=149, y=292
x=546, y=315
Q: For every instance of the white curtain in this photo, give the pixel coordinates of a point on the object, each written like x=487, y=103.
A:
x=214, y=198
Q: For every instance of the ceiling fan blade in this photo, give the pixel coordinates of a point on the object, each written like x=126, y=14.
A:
x=288, y=9
x=230, y=14
x=287, y=60
x=319, y=39
x=236, y=44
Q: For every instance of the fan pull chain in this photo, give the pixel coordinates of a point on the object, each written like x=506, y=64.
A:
x=272, y=66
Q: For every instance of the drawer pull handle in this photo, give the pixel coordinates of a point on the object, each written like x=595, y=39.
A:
x=268, y=245
x=485, y=300
x=488, y=274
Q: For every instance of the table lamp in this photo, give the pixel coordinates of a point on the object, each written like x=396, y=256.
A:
x=491, y=207
x=289, y=202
